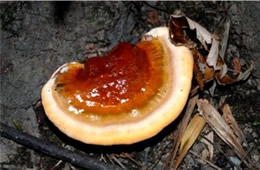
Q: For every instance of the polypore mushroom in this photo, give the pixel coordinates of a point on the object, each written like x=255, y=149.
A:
x=125, y=97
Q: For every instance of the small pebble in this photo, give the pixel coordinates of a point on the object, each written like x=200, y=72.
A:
x=235, y=160
x=255, y=135
x=255, y=157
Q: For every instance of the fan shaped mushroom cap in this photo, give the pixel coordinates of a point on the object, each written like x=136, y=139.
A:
x=136, y=121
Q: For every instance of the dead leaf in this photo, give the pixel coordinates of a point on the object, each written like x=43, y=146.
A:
x=226, y=80
x=182, y=30
x=218, y=124
x=203, y=35
x=236, y=65
x=224, y=41
x=179, y=31
x=190, y=135
x=224, y=70
x=245, y=75
x=208, y=63
x=180, y=132
x=228, y=117
x=213, y=54
x=230, y=80
x=203, y=73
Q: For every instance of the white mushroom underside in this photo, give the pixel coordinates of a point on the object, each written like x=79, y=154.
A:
x=128, y=133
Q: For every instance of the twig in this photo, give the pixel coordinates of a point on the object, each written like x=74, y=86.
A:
x=52, y=150
x=205, y=160
x=156, y=8
x=243, y=159
x=56, y=165
x=117, y=161
x=133, y=160
x=159, y=157
x=194, y=91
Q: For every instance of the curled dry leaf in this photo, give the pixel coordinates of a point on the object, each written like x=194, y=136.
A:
x=208, y=59
x=219, y=125
x=180, y=23
x=202, y=34
x=226, y=79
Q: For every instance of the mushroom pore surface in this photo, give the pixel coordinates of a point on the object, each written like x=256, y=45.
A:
x=126, y=96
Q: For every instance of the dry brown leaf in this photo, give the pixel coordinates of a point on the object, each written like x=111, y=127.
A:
x=190, y=135
x=218, y=124
x=203, y=35
x=236, y=65
x=224, y=80
x=179, y=24
x=228, y=117
x=179, y=32
x=181, y=128
x=182, y=31
x=203, y=73
x=206, y=66
x=229, y=80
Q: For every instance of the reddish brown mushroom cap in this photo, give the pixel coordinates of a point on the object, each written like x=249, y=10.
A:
x=157, y=79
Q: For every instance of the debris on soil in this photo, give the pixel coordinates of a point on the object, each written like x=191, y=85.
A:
x=36, y=39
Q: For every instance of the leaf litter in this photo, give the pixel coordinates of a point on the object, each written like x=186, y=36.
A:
x=209, y=65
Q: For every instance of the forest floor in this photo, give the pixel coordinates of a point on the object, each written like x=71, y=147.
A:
x=38, y=37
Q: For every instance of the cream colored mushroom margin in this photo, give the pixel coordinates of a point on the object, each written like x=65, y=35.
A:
x=128, y=133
